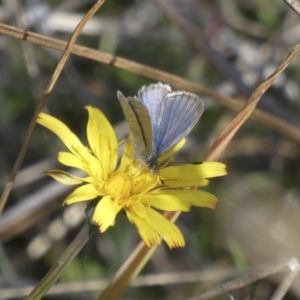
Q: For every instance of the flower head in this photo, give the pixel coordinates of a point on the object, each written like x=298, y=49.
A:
x=128, y=185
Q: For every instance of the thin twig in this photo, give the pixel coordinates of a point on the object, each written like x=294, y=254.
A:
x=285, y=128
x=243, y=280
x=141, y=255
x=200, y=42
x=161, y=279
x=43, y=100
x=286, y=283
x=131, y=268
x=294, y=4
x=221, y=143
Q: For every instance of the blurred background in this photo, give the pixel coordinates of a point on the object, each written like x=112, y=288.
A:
x=235, y=45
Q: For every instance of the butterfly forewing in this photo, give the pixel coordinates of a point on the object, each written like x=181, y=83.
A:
x=144, y=122
x=135, y=113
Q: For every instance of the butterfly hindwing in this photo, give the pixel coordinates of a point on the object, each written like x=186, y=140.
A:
x=144, y=121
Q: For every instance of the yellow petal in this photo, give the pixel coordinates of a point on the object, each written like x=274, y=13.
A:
x=83, y=193
x=140, y=210
x=129, y=146
x=168, y=230
x=88, y=163
x=165, y=200
x=128, y=155
x=109, y=158
x=105, y=213
x=195, y=197
x=98, y=126
x=191, y=174
x=172, y=151
x=199, y=198
x=70, y=160
x=70, y=140
x=147, y=233
x=64, y=177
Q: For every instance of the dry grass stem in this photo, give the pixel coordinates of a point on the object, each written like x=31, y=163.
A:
x=136, y=261
x=42, y=102
x=265, y=118
x=294, y=4
x=221, y=143
x=248, y=278
x=131, y=267
x=141, y=281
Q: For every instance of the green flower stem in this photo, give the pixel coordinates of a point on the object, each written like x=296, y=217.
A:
x=51, y=277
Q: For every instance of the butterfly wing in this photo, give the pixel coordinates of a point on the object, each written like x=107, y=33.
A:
x=152, y=97
x=181, y=112
x=139, y=121
x=144, y=121
x=160, y=118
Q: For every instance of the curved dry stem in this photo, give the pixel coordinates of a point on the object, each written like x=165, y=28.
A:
x=43, y=100
x=140, y=256
x=223, y=140
x=131, y=267
x=267, y=119
x=246, y=279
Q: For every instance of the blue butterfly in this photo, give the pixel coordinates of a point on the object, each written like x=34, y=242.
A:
x=159, y=119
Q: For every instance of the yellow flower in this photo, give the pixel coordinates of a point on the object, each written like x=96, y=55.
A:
x=129, y=185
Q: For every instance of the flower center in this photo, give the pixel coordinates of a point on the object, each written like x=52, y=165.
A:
x=118, y=186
